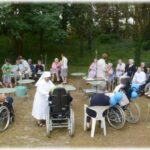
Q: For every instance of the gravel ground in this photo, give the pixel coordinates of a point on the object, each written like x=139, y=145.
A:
x=24, y=132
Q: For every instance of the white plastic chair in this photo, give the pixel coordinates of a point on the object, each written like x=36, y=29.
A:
x=99, y=116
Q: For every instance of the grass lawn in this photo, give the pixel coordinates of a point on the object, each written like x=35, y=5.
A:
x=120, y=49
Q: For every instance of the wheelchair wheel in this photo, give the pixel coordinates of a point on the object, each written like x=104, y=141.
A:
x=147, y=87
x=48, y=124
x=116, y=117
x=132, y=113
x=71, y=123
x=4, y=118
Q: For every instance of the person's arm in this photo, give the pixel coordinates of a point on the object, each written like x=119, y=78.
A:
x=2, y=97
x=134, y=78
x=3, y=69
x=69, y=97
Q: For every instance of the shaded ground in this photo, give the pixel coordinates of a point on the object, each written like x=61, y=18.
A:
x=25, y=132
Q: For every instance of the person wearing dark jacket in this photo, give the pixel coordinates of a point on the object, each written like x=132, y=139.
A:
x=98, y=99
x=130, y=68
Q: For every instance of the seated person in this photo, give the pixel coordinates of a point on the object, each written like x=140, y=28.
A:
x=68, y=97
x=39, y=69
x=18, y=70
x=6, y=70
x=55, y=69
x=130, y=68
x=31, y=67
x=7, y=101
x=139, y=77
x=143, y=67
x=109, y=76
x=27, y=70
x=120, y=69
x=98, y=99
x=92, y=69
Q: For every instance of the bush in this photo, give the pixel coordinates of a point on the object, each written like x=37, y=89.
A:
x=109, y=38
x=146, y=45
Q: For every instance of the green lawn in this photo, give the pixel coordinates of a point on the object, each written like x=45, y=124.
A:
x=119, y=49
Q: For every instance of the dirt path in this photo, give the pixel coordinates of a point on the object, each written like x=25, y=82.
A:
x=25, y=133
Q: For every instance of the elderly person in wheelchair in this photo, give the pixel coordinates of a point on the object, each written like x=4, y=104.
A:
x=6, y=111
x=60, y=114
x=102, y=99
x=139, y=78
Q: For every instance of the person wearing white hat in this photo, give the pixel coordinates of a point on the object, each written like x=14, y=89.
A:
x=40, y=104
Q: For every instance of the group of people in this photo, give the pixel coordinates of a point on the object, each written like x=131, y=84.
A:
x=24, y=69
x=102, y=70
x=59, y=69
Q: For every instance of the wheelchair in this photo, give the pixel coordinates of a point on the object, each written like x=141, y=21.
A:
x=60, y=114
x=130, y=112
x=4, y=118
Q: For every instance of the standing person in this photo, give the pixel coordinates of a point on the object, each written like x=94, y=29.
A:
x=40, y=104
x=27, y=72
x=39, y=69
x=101, y=67
x=144, y=67
x=64, y=68
x=55, y=68
x=130, y=68
x=6, y=69
x=92, y=69
x=120, y=69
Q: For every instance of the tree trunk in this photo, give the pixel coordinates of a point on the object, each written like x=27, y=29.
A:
x=137, y=53
x=81, y=46
x=18, y=46
x=41, y=41
x=90, y=41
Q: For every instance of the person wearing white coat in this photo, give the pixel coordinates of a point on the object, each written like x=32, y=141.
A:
x=40, y=104
x=101, y=67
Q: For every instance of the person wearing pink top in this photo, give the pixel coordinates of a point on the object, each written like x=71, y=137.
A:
x=92, y=69
x=55, y=68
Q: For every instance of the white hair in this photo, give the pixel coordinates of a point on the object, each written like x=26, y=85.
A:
x=143, y=63
x=56, y=59
x=131, y=60
x=102, y=86
x=110, y=64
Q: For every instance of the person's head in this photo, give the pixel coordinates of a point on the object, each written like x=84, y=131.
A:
x=142, y=64
x=102, y=87
x=119, y=61
x=30, y=61
x=110, y=65
x=105, y=56
x=39, y=62
x=62, y=55
x=7, y=61
x=139, y=69
x=17, y=61
x=95, y=60
x=131, y=61
x=47, y=79
x=46, y=76
x=56, y=60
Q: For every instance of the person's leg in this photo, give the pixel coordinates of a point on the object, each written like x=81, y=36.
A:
x=65, y=76
x=52, y=77
x=62, y=75
x=57, y=75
